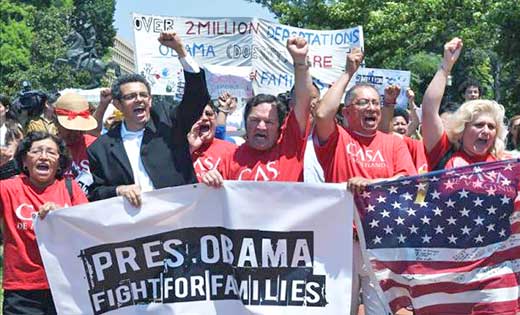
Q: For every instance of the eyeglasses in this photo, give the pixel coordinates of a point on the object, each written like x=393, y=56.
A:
x=39, y=151
x=364, y=102
x=133, y=96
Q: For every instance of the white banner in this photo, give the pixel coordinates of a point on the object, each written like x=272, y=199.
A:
x=247, y=248
x=237, y=42
x=381, y=78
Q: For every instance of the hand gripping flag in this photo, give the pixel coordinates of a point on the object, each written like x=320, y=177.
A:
x=447, y=242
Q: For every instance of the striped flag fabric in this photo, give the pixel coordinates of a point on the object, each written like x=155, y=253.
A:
x=446, y=242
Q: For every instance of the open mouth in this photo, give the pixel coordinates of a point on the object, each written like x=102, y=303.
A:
x=139, y=110
x=42, y=167
x=204, y=128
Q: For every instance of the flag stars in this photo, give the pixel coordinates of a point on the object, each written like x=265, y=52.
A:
x=425, y=220
x=490, y=227
x=377, y=240
x=396, y=205
x=451, y=221
x=371, y=208
x=506, y=182
x=437, y=211
x=464, y=212
x=479, y=239
x=381, y=199
x=449, y=184
x=426, y=239
x=452, y=239
x=491, y=191
x=466, y=230
x=505, y=200
x=413, y=229
x=436, y=195
x=509, y=167
x=491, y=210
x=399, y=221
x=450, y=203
x=388, y=229
x=478, y=202
x=477, y=169
x=374, y=223
x=421, y=186
x=502, y=233
x=477, y=183
x=439, y=229
x=423, y=204
x=392, y=189
x=479, y=221
x=401, y=238
x=411, y=212
x=407, y=196
x=385, y=214
x=434, y=179
x=463, y=193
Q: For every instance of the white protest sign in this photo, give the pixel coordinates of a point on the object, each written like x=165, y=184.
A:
x=237, y=42
x=200, y=250
x=381, y=78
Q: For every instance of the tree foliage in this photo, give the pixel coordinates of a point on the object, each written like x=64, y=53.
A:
x=405, y=34
x=32, y=36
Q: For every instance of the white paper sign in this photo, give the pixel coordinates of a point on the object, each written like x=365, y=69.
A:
x=247, y=248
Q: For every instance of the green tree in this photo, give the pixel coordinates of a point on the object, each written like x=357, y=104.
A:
x=399, y=34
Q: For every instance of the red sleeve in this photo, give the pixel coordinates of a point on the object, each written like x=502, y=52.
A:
x=291, y=137
x=403, y=163
x=439, y=150
x=326, y=152
x=416, y=149
x=78, y=196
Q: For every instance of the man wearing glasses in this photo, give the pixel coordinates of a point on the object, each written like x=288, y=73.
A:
x=148, y=150
x=359, y=155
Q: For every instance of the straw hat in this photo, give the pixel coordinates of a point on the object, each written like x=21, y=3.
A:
x=73, y=112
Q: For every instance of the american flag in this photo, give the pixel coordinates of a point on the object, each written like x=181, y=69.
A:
x=446, y=242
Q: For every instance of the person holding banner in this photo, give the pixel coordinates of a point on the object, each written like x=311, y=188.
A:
x=476, y=131
x=149, y=149
x=206, y=150
x=39, y=189
x=358, y=155
x=274, y=146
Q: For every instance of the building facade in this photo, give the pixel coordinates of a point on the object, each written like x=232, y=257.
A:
x=123, y=55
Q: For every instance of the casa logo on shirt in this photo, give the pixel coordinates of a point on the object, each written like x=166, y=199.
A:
x=25, y=214
x=206, y=164
x=365, y=157
x=265, y=172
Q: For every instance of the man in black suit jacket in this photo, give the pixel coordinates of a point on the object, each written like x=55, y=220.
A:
x=149, y=150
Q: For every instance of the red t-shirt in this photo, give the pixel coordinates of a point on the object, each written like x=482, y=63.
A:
x=283, y=162
x=347, y=155
x=416, y=148
x=80, y=167
x=209, y=156
x=459, y=158
x=20, y=200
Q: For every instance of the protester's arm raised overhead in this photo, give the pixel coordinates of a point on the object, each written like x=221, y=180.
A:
x=328, y=107
x=432, y=126
x=299, y=48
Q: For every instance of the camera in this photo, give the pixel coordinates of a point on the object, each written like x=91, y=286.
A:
x=30, y=101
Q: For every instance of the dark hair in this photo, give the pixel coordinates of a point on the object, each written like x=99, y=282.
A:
x=399, y=111
x=128, y=78
x=25, y=146
x=265, y=98
x=448, y=107
x=471, y=82
x=10, y=115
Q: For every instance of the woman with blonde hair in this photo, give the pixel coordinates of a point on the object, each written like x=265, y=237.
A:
x=474, y=133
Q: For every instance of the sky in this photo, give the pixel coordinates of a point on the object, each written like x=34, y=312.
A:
x=187, y=8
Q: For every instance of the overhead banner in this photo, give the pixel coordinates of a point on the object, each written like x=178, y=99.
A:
x=199, y=250
x=238, y=42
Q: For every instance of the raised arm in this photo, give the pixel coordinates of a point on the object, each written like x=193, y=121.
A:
x=298, y=48
x=328, y=107
x=432, y=127
x=105, y=97
x=414, y=118
x=387, y=112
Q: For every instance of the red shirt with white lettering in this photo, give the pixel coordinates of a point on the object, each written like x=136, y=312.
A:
x=19, y=201
x=457, y=159
x=209, y=156
x=347, y=155
x=416, y=148
x=80, y=167
x=282, y=163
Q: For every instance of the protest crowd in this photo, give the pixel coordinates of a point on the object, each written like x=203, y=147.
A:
x=69, y=153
